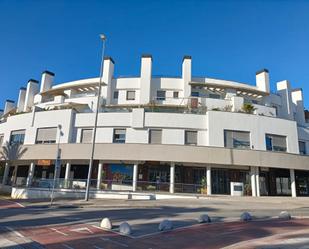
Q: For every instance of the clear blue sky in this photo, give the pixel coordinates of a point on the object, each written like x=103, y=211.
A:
x=226, y=39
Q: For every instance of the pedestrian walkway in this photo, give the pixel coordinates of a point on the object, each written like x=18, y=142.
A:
x=255, y=234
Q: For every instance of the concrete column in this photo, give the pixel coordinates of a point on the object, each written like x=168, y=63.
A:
x=257, y=181
x=9, y=105
x=145, y=79
x=135, y=171
x=253, y=181
x=32, y=90
x=172, y=178
x=186, y=75
x=6, y=173
x=99, y=179
x=21, y=99
x=262, y=80
x=67, y=174
x=293, y=183
x=30, y=174
x=208, y=176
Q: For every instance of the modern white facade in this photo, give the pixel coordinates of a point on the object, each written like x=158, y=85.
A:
x=180, y=134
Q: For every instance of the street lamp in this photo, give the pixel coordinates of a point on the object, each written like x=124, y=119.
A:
x=57, y=164
x=103, y=38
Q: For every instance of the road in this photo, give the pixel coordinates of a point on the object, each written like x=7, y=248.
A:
x=74, y=224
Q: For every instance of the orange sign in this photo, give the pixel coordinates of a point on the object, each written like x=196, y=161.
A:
x=44, y=162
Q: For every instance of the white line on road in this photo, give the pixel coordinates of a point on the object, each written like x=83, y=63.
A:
x=57, y=231
x=66, y=246
x=15, y=232
x=81, y=230
x=115, y=242
x=97, y=247
x=21, y=205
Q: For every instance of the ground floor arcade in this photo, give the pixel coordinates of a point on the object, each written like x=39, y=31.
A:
x=159, y=176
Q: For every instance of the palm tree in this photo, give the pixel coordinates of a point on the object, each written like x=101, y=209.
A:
x=11, y=152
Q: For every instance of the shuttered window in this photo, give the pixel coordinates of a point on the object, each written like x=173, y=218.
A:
x=46, y=135
x=191, y=137
x=276, y=142
x=237, y=139
x=155, y=136
x=17, y=137
x=130, y=95
x=119, y=136
x=86, y=136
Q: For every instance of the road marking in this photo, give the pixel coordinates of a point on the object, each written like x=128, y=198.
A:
x=15, y=232
x=67, y=246
x=97, y=247
x=21, y=205
x=57, y=231
x=115, y=242
x=81, y=230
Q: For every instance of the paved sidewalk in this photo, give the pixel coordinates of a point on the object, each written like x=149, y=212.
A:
x=256, y=234
x=72, y=223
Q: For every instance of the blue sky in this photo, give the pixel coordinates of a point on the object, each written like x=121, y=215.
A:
x=226, y=39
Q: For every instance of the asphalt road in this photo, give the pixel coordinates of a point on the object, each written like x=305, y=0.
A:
x=143, y=216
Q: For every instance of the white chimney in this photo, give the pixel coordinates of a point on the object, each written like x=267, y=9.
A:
x=262, y=80
x=145, y=79
x=286, y=108
x=21, y=99
x=186, y=75
x=9, y=105
x=32, y=90
x=297, y=99
x=108, y=73
x=47, y=81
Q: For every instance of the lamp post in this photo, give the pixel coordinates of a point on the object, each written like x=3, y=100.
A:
x=103, y=38
x=57, y=165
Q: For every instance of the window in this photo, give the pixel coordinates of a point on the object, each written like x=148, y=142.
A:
x=237, y=139
x=302, y=148
x=155, y=136
x=119, y=136
x=191, y=137
x=175, y=95
x=17, y=137
x=1, y=139
x=160, y=95
x=195, y=94
x=116, y=94
x=46, y=135
x=86, y=136
x=214, y=96
x=130, y=95
x=275, y=143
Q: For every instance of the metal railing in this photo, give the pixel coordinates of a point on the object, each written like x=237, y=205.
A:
x=117, y=185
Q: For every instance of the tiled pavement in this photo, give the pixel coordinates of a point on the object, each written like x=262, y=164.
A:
x=256, y=234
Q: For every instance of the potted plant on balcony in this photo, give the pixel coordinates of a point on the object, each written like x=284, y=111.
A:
x=248, y=108
x=204, y=186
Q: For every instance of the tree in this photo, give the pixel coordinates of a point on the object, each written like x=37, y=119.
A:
x=12, y=152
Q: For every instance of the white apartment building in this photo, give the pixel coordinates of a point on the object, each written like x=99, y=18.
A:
x=177, y=134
